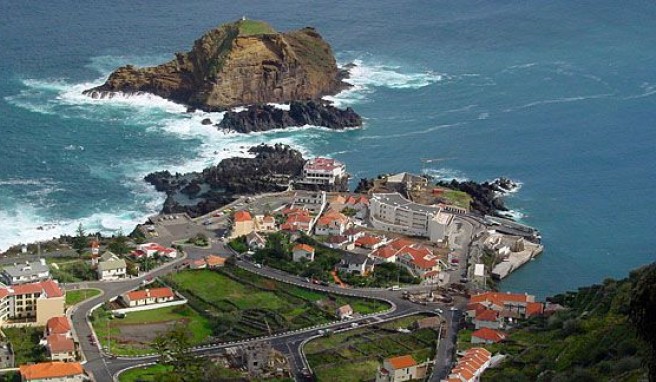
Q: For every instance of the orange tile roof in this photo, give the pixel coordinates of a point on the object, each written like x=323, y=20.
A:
x=242, y=216
x=367, y=241
x=384, y=252
x=50, y=287
x=466, y=373
x=304, y=247
x=487, y=315
x=421, y=256
x=213, y=260
x=534, y=308
x=59, y=343
x=402, y=362
x=50, y=370
x=58, y=325
x=400, y=243
x=332, y=216
x=489, y=335
x=150, y=293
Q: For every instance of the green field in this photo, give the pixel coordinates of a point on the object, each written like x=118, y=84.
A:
x=241, y=305
x=459, y=198
x=252, y=27
x=76, y=296
x=143, y=374
x=355, y=355
x=133, y=334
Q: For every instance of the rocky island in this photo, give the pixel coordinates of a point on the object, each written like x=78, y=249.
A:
x=245, y=63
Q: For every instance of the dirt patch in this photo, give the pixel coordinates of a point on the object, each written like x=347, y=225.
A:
x=141, y=333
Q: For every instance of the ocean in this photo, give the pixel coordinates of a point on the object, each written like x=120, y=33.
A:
x=558, y=95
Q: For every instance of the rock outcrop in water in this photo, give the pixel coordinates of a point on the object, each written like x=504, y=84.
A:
x=196, y=193
x=267, y=117
x=240, y=63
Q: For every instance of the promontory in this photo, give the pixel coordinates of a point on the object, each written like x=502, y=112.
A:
x=241, y=63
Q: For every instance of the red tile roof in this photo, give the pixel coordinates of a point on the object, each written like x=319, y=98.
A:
x=487, y=315
x=367, y=241
x=242, y=216
x=58, y=325
x=50, y=370
x=49, y=287
x=421, y=256
x=400, y=243
x=59, y=343
x=214, y=261
x=150, y=293
x=488, y=334
x=332, y=216
x=402, y=362
x=384, y=252
x=534, y=309
x=304, y=247
x=499, y=298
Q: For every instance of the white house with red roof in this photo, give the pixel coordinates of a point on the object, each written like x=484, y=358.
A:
x=297, y=220
x=303, y=252
x=53, y=372
x=58, y=340
x=148, y=297
x=151, y=249
x=511, y=304
x=331, y=223
x=401, y=368
x=487, y=336
x=470, y=366
x=370, y=242
x=323, y=171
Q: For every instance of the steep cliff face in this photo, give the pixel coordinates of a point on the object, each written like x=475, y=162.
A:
x=240, y=63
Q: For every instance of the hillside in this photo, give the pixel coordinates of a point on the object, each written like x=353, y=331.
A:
x=240, y=63
x=594, y=339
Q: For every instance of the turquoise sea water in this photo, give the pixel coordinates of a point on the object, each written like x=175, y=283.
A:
x=558, y=95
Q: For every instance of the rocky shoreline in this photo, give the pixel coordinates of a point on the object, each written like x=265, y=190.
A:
x=197, y=193
x=266, y=117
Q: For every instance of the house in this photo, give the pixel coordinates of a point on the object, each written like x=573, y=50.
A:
x=147, y=297
x=487, y=336
x=419, y=260
x=406, y=181
x=243, y=224
x=265, y=223
x=298, y=220
x=354, y=233
x=26, y=273
x=255, y=241
x=57, y=325
x=358, y=203
x=60, y=347
x=344, y=312
x=111, y=267
x=6, y=355
x=471, y=365
x=197, y=264
x=356, y=263
x=303, y=251
x=523, y=305
x=214, y=261
x=39, y=301
x=369, y=242
x=386, y=254
x=487, y=319
x=53, y=372
x=313, y=201
x=337, y=242
x=323, y=172
x=401, y=368
x=331, y=223
x=152, y=249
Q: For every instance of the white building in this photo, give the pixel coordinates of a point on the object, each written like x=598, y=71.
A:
x=28, y=272
x=53, y=372
x=323, y=171
x=394, y=213
x=111, y=267
x=401, y=368
x=148, y=297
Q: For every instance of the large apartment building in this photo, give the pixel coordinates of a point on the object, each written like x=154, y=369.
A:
x=39, y=301
x=323, y=171
x=28, y=272
x=394, y=213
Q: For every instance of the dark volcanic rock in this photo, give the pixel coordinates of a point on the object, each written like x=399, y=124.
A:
x=269, y=171
x=267, y=117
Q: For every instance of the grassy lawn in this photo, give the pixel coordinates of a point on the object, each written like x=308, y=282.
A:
x=249, y=27
x=143, y=374
x=241, y=305
x=75, y=296
x=459, y=198
x=356, y=354
x=155, y=319
x=25, y=342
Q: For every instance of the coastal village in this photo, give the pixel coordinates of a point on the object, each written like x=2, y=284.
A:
x=404, y=241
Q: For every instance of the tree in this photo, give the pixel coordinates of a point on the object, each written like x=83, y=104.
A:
x=119, y=244
x=172, y=347
x=80, y=240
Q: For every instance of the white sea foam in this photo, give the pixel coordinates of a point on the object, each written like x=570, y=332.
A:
x=367, y=74
x=445, y=174
x=557, y=100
